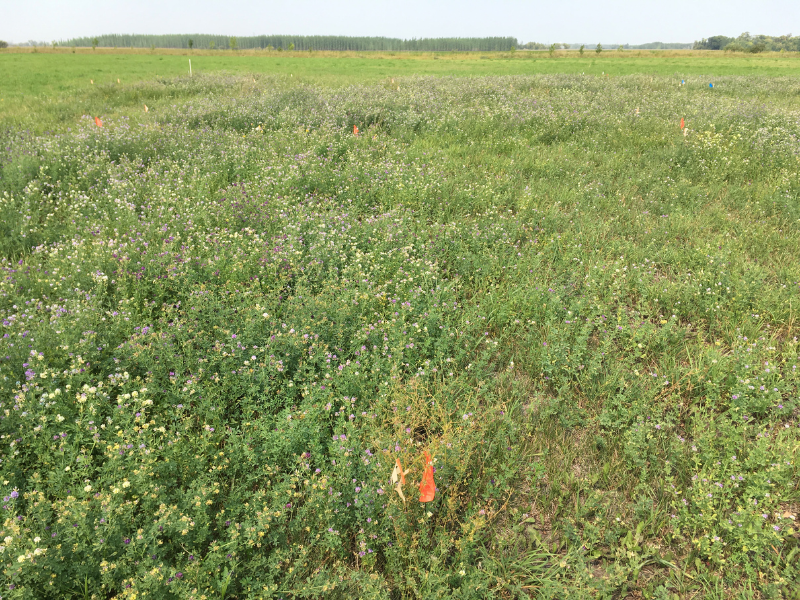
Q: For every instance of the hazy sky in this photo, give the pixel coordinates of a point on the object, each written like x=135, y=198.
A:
x=584, y=21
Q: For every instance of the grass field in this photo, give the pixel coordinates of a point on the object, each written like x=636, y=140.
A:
x=225, y=319
x=57, y=76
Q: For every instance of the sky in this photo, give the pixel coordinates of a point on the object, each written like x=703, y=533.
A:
x=547, y=21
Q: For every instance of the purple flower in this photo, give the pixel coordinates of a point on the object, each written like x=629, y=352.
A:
x=15, y=494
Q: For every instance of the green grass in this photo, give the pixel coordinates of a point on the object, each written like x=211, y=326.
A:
x=224, y=320
x=29, y=79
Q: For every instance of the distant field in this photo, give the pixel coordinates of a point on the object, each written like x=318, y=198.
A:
x=49, y=75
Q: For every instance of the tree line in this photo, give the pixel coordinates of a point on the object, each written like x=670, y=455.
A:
x=294, y=42
x=750, y=43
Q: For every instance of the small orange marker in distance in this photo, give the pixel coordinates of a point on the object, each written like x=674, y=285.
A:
x=98, y=122
x=355, y=130
x=682, y=123
x=146, y=109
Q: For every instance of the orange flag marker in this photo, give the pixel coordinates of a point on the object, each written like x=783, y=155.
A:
x=146, y=109
x=355, y=130
x=98, y=122
x=682, y=123
x=427, y=488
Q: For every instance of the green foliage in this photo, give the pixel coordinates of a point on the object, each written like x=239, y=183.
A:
x=305, y=42
x=580, y=50
x=224, y=319
x=599, y=48
x=291, y=46
x=753, y=44
x=233, y=44
x=190, y=43
x=94, y=43
x=534, y=46
x=3, y=44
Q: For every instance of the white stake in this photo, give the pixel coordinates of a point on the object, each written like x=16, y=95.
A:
x=190, y=67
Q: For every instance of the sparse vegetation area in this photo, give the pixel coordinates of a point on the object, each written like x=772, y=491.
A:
x=225, y=318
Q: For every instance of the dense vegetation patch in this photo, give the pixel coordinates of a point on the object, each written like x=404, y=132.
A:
x=223, y=320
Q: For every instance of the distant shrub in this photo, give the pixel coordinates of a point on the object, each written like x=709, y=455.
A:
x=3, y=44
x=734, y=47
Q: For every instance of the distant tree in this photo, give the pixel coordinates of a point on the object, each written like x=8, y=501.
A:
x=191, y=44
x=291, y=46
x=552, y=49
x=620, y=49
x=599, y=48
x=94, y=43
x=280, y=49
x=270, y=48
x=211, y=45
x=581, y=49
x=234, y=45
x=3, y=44
x=152, y=47
x=55, y=43
x=715, y=42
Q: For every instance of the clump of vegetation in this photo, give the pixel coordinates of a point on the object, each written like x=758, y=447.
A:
x=224, y=321
x=748, y=43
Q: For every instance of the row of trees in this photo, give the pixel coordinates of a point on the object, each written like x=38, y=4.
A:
x=295, y=42
x=750, y=43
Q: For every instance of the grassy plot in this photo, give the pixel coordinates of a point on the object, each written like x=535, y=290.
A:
x=224, y=320
x=43, y=84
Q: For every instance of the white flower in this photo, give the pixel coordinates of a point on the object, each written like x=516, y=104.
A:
x=8, y=539
x=21, y=558
x=59, y=418
x=88, y=488
x=126, y=483
x=37, y=539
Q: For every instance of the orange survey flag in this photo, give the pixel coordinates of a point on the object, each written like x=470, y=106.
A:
x=355, y=130
x=681, y=122
x=98, y=122
x=427, y=488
